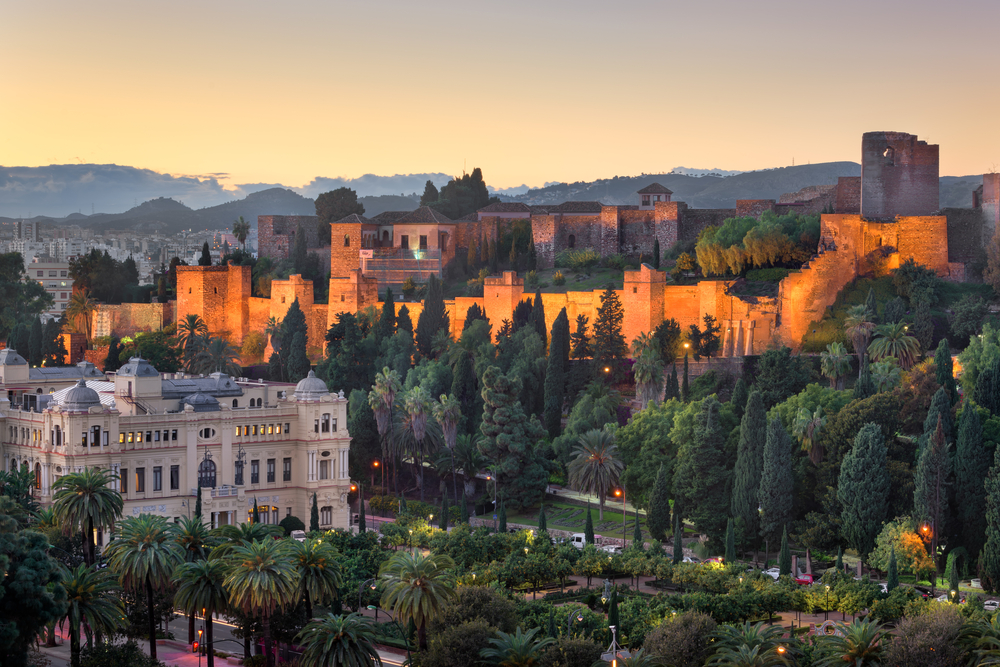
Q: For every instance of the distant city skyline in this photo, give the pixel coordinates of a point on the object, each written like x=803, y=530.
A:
x=542, y=92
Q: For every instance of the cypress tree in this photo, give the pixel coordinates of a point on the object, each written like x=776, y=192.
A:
x=464, y=516
x=740, y=396
x=658, y=515
x=730, y=542
x=871, y=306
x=402, y=504
x=433, y=318
x=387, y=321
x=930, y=481
x=555, y=374
x=256, y=512
x=656, y=254
x=989, y=558
x=443, y=522
x=588, y=528
x=685, y=391
x=613, y=616
x=403, y=321
x=987, y=392
x=863, y=489
x=206, y=256
x=673, y=389
x=503, y=518
x=701, y=480
x=864, y=387
x=923, y=325
x=362, y=524
x=637, y=540
x=542, y=525
x=892, y=578
x=538, y=319
x=314, y=515
x=749, y=463
x=464, y=388
x=972, y=465
x=552, y=623
x=945, y=370
x=951, y=574
x=197, y=504
x=678, y=539
x=298, y=362
x=300, y=252
x=785, y=555
x=940, y=407
x=776, y=482
x=609, y=342
x=840, y=559
x=35, y=343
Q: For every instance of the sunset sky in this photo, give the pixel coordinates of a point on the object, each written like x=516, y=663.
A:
x=531, y=91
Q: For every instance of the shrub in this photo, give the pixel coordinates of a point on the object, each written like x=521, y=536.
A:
x=457, y=645
x=683, y=641
x=558, y=278
x=571, y=651
x=931, y=639
x=409, y=287
x=115, y=655
x=616, y=262
x=254, y=344
x=290, y=523
x=480, y=603
x=579, y=260
x=532, y=278
x=773, y=274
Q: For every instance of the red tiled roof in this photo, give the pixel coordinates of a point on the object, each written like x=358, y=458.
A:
x=423, y=216
x=388, y=217
x=506, y=207
x=577, y=207
x=655, y=189
x=353, y=219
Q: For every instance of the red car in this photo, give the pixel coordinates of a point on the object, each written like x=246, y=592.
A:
x=805, y=580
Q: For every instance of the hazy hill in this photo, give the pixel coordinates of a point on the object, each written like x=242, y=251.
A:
x=375, y=205
x=273, y=201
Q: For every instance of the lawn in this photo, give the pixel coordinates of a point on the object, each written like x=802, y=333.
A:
x=565, y=516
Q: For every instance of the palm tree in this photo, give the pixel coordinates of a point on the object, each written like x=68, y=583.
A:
x=648, y=371
x=85, y=500
x=640, y=659
x=416, y=410
x=595, y=467
x=471, y=461
x=894, y=341
x=858, y=644
x=982, y=638
x=190, y=333
x=320, y=576
x=91, y=605
x=233, y=535
x=45, y=518
x=417, y=586
x=759, y=642
x=218, y=356
x=750, y=656
x=262, y=580
x=886, y=374
x=382, y=399
x=806, y=428
x=79, y=311
x=835, y=364
x=241, y=229
x=272, y=329
x=448, y=412
x=859, y=328
x=520, y=649
x=331, y=641
x=199, y=588
x=144, y=555
x=196, y=542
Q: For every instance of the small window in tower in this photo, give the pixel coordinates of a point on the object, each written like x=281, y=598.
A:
x=282, y=299
x=347, y=240
x=189, y=290
x=343, y=297
x=890, y=156
x=635, y=290
x=572, y=241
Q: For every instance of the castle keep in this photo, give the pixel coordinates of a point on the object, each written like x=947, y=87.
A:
x=887, y=215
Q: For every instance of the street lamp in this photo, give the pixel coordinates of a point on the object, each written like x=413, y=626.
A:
x=826, y=609
x=198, y=646
x=621, y=492
x=953, y=597
x=374, y=466
x=569, y=620
x=360, y=588
x=760, y=511
x=401, y=633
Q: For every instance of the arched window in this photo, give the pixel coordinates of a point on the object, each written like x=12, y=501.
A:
x=206, y=474
x=572, y=241
x=260, y=402
x=236, y=403
x=347, y=240
x=39, y=390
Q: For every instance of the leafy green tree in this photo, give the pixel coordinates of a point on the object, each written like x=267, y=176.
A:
x=262, y=580
x=745, y=501
x=206, y=256
x=685, y=387
x=502, y=525
x=658, y=516
x=701, y=481
x=678, y=554
x=144, y=556
x=609, y=342
x=510, y=440
x=892, y=576
x=430, y=195
x=92, y=606
x=319, y=572
x=776, y=482
x=538, y=318
x=433, y=318
x=416, y=588
x=780, y=375
x=35, y=343
x=863, y=489
x=930, y=481
x=944, y=369
x=85, y=500
x=555, y=374
x=333, y=206
x=835, y=364
x=338, y=640
x=595, y=467
x=520, y=649
x=53, y=349
x=967, y=318
x=972, y=465
x=894, y=341
x=989, y=558
x=199, y=588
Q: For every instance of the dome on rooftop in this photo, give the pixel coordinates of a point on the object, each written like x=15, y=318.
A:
x=10, y=357
x=201, y=402
x=80, y=398
x=137, y=367
x=310, y=388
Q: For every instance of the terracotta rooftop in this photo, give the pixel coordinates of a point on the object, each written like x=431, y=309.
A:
x=655, y=189
x=577, y=207
x=388, y=217
x=506, y=207
x=353, y=219
x=424, y=215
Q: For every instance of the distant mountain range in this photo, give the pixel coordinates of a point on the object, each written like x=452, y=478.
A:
x=173, y=203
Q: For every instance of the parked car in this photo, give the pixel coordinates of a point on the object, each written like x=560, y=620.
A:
x=991, y=605
x=773, y=572
x=691, y=559
x=612, y=549
x=299, y=535
x=717, y=559
x=805, y=579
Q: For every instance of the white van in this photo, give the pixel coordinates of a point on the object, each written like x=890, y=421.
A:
x=579, y=540
x=299, y=535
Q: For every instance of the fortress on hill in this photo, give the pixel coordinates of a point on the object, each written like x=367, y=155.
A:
x=887, y=215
